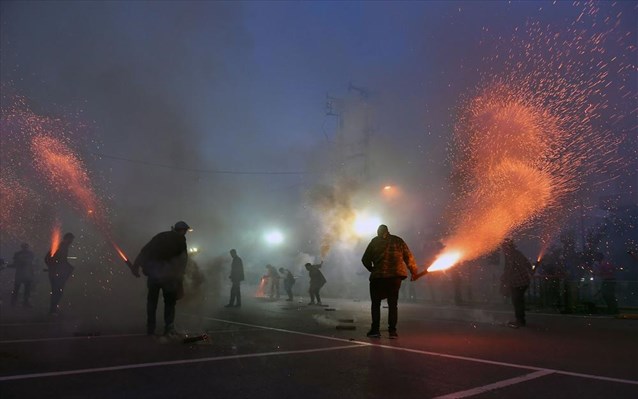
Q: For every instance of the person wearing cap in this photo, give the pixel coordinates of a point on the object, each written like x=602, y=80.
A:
x=163, y=261
x=515, y=280
x=59, y=271
x=25, y=273
x=388, y=260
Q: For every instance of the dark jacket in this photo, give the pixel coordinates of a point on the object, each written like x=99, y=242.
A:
x=59, y=265
x=518, y=269
x=388, y=257
x=23, y=263
x=237, y=270
x=163, y=258
x=317, y=280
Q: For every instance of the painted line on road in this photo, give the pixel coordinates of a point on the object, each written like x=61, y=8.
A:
x=282, y=330
x=172, y=363
x=31, y=340
x=36, y=323
x=496, y=385
x=436, y=354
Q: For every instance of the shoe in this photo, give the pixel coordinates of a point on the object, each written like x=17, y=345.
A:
x=311, y=303
x=373, y=334
x=229, y=306
x=394, y=335
x=238, y=305
x=171, y=332
x=513, y=324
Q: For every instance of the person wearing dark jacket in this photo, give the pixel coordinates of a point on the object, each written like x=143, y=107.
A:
x=515, y=280
x=317, y=280
x=236, y=277
x=163, y=261
x=59, y=270
x=289, y=281
x=388, y=260
x=25, y=273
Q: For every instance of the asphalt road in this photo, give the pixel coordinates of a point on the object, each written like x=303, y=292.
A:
x=284, y=349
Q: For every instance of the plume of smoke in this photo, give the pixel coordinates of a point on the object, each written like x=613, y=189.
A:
x=333, y=207
x=302, y=258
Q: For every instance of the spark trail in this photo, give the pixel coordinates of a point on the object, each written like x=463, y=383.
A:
x=532, y=135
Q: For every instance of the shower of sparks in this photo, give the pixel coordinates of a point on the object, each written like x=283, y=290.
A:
x=39, y=149
x=55, y=238
x=533, y=134
x=65, y=173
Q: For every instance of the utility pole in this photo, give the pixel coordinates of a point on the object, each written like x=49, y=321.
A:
x=353, y=133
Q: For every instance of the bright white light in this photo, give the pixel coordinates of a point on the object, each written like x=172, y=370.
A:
x=274, y=237
x=366, y=225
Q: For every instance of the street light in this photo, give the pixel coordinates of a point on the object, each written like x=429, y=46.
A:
x=274, y=237
x=366, y=225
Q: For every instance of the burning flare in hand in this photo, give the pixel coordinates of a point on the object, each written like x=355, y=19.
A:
x=445, y=261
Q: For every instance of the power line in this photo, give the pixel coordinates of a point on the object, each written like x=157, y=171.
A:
x=213, y=171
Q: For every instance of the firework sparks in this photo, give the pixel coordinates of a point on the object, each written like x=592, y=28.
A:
x=530, y=136
x=55, y=238
x=53, y=158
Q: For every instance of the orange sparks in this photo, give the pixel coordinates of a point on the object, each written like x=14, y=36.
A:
x=55, y=239
x=120, y=252
x=445, y=261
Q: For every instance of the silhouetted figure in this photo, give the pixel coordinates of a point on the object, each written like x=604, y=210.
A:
x=457, y=281
x=236, y=277
x=59, y=271
x=274, y=278
x=550, y=271
x=317, y=280
x=515, y=279
x=607, y=272
x=569, y=262
x=388, y=260
x=289, y=281
x=25, y=273
x=163, y=261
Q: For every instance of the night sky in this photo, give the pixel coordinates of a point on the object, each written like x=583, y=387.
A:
x=215, y=112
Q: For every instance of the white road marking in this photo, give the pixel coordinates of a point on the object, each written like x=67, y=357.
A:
x=171, y=363
x=357, y=344
x=437, y=354
x=31, y=340
x=87, y=336
x=496, y=385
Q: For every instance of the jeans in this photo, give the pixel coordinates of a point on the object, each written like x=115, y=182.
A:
x=58, y=280
x=16, y=289
x=169, y=291
x=518, y=300
x=382, y=288
x=235, y=294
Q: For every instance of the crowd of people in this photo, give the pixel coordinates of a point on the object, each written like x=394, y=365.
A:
x=388, y=259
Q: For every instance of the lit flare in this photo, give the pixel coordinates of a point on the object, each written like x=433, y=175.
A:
x=55, y=239
x=445, y=261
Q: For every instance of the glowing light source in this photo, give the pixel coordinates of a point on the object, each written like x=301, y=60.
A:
x=445, y=261
x=366, y=225
x=55, y=239
x=120, y=252
x=274, y=237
